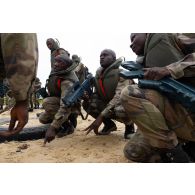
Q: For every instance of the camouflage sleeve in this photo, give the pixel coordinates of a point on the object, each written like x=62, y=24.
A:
x=186, y=42
x=20, y=54
x=63, y=113
x=183, y=68
x=116, y=99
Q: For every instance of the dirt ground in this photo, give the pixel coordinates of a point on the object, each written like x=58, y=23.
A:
x=74, y=148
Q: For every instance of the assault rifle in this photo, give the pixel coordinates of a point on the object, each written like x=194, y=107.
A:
x=173, y=89
x=77, y=91
x=42, y=92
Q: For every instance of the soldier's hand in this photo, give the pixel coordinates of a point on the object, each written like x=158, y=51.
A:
x=155, y=73
x=19, y=113
x=95, y=125
x=50, y=134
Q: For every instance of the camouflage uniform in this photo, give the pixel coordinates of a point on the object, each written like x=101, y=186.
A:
x=18, y=62
x=37, y=86
x=81, y=70
x=55, y=112
x=56, y=50
x=161, y=120
x=33, y=101
x=107, y=101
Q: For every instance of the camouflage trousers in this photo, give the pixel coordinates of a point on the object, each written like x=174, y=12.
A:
x=96, y=106
x=33, y=101
x=54, y=113
x=163, y=123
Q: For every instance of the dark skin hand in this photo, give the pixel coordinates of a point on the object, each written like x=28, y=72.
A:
x=156, y=73
x=50, y=135
x=18, y=113
x=95, y=125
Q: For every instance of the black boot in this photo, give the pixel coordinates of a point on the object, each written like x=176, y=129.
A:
x=175, y=155
x=66, y=129
x=129, y=129
x=109, y=126
x=73, y=119
x=189, y=148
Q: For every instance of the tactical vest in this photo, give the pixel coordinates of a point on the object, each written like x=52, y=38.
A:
x=106, y=83
x=161, y=49
x=54, y=82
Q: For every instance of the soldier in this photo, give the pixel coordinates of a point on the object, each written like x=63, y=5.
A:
x=36, y=86
x=105, y=104
x=18, y=63
x=54, y=46
x=33, y=100
x=161, y=121
x=81, y=71
x=59, y=84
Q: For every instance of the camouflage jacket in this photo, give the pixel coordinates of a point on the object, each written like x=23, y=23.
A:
x=184, y=70
x=65, y=87
x=18, y=62
x=169, y=50
x=161, y=49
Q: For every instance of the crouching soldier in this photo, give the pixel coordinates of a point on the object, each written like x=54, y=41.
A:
x=59, y=84
x=105, y=103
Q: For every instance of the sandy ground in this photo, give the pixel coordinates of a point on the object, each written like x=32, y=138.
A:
x=74, y=148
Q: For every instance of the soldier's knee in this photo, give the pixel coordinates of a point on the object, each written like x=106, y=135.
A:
x=126, y=96
x=140, y=153
x=51, y=104
x=44, y=119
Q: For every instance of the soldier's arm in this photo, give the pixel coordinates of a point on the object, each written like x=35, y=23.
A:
x=183, y=68
x=186, y=42
x=62, y=113
x=20, y=53
x=116, y=99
